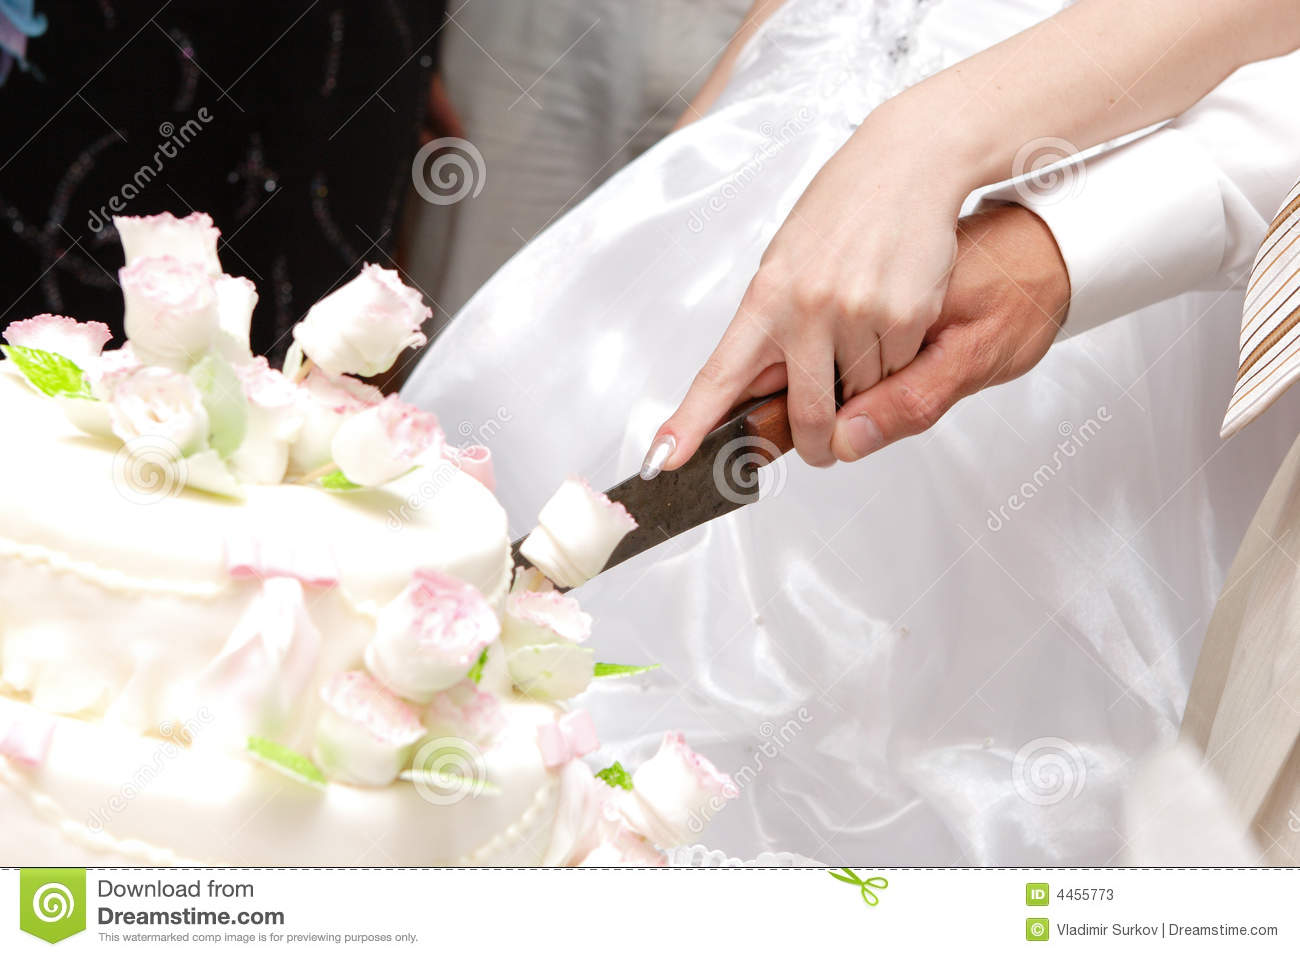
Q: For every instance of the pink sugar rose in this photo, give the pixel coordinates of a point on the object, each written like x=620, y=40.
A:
x=81, y=342
x=236, y=299
x=428, y=637
x=476, y=462
x=675, y=793
x=342, y=394
x=385, y=441
x=465, y=711
x=577, y=530
x=543, y=617
x=326, y=402
x=159, y=404
x=171, y=311
x=112, y=366
x=366, y=734
x=362, y=327
x=190, y=240
x=273, y=421
x=623, y=847
x=551, y=672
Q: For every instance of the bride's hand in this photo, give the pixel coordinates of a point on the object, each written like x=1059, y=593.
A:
x=846, y=290
x=860, y=267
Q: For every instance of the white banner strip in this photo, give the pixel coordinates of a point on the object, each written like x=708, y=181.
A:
x=670, y=911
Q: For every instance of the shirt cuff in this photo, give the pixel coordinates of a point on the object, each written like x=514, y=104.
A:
x=1136, y=225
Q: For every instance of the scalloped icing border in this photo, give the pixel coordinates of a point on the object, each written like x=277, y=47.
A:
x=47, y=808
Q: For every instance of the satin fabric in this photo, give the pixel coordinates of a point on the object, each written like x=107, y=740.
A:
x=951, y=652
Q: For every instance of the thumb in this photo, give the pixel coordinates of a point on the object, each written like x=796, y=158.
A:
x=905, y=403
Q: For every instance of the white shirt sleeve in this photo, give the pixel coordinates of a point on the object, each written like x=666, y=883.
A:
x=1181, y=208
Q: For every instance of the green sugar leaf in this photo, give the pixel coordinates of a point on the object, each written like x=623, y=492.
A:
x=223, y=399
x=604, y=669
x=336, y=481
x=616, y=776
x=286, y=760
x=476, y=669
x=50, y=372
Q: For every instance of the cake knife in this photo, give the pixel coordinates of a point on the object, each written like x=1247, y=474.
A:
x=720, y=477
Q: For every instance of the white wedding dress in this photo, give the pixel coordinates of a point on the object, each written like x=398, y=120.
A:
x=897, y=664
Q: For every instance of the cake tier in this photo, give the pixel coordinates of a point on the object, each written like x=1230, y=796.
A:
x=104, y=796
x=114, y=601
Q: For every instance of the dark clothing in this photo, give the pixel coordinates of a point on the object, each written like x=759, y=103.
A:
x=293, y=122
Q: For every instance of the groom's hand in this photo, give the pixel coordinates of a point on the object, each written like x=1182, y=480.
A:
x=1005, y=302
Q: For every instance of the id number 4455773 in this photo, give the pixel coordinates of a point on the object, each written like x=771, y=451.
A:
x=1085, y=894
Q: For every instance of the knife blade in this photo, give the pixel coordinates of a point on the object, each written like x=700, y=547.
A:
x=721, y=477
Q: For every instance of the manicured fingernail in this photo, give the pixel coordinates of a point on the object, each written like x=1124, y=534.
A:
x=863, y=435
x=663, y=447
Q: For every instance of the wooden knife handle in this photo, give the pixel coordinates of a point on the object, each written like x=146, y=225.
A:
x=769, y=420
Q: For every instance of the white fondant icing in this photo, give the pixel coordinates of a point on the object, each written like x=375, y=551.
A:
x=127, y=798
x=108, y=605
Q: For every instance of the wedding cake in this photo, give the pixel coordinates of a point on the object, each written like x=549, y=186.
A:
x=252, y=616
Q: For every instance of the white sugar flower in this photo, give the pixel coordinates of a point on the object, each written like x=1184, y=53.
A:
x=191, y=240
x=577, y=530
x=384, y=442
x=171, y=311
x=160, y=404
x=362, y=327
x=428, y=637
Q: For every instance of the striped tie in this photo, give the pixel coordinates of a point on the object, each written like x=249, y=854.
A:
x=1270, y=327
